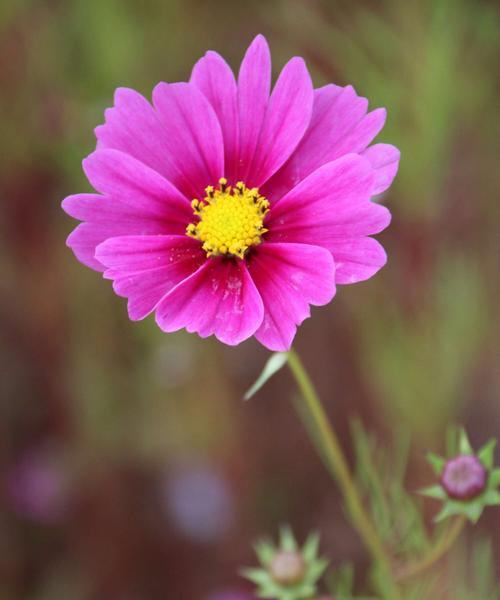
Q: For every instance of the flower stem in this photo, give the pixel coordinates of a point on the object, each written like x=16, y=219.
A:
x=338, y=466
x=444, y=543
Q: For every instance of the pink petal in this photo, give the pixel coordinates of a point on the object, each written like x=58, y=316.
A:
x=220, y=299
x=135, y=185
x=193, y=135
x=287, y=117
x=289, y=278
x=331, y=203
x=84, y=239
x=144, y=268
x=384, y=158
x=339, y=125
x=212, y=75
x=254, y=85
x=140, y=201
x=357, y=259
x=132, y=126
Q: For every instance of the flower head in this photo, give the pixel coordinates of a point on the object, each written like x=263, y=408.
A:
x=228, y=209
x=468, y=481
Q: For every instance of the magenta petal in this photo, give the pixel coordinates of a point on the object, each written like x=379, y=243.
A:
x=287, y=117
x=84, y=239
x=254, y=85
x=135, y=185
x=220, y=299
x=144, y=268
x=339, y=125
x=138, y=200
x=193, y=135
x=332, y=203
x=133, y=126
x=384, y=158
x=213, y=76
x=357, y=259
x=289, y=278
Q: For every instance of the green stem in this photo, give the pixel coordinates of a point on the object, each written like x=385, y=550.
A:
x=338, y=466
x=436, y=553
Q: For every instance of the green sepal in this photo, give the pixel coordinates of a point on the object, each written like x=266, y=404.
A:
x=473, y=511
x=275, y=362
x=491, y=498
x=317, y=568
x=257, y=576
x=434, y=491
x=436, y=462
x=450, y=509
x=486, y=454
x=287, y=539
x=265, y=551
x=310, y=547
x=495, y=478
x=464, y=446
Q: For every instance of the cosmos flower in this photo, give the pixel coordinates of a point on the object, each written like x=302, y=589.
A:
x=228, y=209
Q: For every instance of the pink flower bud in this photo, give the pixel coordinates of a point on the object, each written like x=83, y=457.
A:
x=287, y=568
x=464, y=477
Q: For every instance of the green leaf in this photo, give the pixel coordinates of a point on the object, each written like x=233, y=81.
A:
x=464, y=446
x=486, y=454
x=273, y=365
x=434, y=491
x=436, y=462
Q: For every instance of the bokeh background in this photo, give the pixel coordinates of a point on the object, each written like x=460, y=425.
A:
x=130, y=467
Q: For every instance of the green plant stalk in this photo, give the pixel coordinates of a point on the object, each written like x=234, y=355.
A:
x=339, y=468
x=443, y=544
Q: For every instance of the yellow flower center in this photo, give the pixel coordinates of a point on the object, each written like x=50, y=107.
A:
x=231, y=219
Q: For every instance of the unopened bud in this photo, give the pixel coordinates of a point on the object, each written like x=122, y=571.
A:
x=287, y=568
x=464, y=477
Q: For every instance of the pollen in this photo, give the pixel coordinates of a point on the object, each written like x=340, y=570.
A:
x=230, y=219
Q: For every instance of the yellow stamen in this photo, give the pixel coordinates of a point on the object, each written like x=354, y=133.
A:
x=231, y=219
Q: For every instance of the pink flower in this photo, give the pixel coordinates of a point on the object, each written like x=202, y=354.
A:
x=229, y=210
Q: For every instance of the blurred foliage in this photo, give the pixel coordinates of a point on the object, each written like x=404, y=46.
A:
x=123, y=419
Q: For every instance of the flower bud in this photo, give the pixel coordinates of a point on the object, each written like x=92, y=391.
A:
x=464, y=477
x=287, y=568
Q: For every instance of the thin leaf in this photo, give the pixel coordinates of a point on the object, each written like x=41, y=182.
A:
x=273, y=365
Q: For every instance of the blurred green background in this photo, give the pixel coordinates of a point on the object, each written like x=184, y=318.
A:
x=130, y=468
